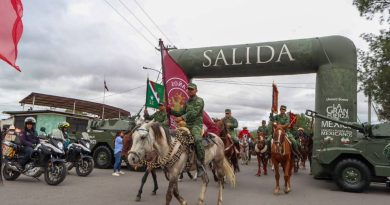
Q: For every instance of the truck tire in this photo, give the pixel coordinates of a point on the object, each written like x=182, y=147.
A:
x=352, y=175
x=103, y=157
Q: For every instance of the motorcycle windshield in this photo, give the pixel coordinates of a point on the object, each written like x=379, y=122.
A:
x=57, y=134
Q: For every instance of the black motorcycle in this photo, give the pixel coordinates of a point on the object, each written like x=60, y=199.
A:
x=78, y=155
x=46, y=158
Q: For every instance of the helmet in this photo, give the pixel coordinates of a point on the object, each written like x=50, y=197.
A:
x=62, y=125
x=30, y=120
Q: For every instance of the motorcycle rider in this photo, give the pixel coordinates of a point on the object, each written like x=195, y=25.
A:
x=64, y=126
x=28, y=137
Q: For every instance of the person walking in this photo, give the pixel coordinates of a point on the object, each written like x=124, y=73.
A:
x=117, y=153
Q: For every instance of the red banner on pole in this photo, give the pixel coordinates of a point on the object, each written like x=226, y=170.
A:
x=293, y=119
x=11, y=29
x=275, y=94
x=175, y=82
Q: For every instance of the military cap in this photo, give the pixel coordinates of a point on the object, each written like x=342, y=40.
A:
x=301, y=129
x=192, y=86
x=228, y=111
x=283, y=107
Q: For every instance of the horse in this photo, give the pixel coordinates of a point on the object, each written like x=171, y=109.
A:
x=173, y=157
x=262, y=153
x=281, y=153
x=304, y=149
x=151, y=157
x=231, y=152
x=244, y=150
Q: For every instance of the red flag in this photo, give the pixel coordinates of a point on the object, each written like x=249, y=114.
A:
x=176, y=81
x=293, y=119
x=105, y=85
x=275, y=94
x=11, y=28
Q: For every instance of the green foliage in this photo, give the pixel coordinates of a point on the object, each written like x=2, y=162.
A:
x=374, y=65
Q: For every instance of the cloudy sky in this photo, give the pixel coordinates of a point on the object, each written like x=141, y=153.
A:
x=68, y=46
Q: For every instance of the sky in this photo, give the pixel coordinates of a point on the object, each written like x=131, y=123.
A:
x=68, y=47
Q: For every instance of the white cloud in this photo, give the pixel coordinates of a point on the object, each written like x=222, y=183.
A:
x=69, y=45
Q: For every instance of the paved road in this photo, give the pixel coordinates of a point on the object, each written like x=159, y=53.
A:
x=100, y=188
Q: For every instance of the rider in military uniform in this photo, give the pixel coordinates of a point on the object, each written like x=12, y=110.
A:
x=263, y=128
x=231, y=123
x=192, y=114
x=159, y=116
x=284, y=119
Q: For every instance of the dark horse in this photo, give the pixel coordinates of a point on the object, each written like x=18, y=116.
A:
x=262, y=153
x=304, y=149
x=151, y=157
x=281, y=153
x=231, y=152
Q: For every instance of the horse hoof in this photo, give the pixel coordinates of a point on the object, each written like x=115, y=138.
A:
x=138, y=198
x=276, y=193
x=154, y=193
x=184, y=203
x=287, y=190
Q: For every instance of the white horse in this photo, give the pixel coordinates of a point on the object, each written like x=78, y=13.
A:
x=173, y=157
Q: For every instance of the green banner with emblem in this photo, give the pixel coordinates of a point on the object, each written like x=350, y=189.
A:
x=154, y=94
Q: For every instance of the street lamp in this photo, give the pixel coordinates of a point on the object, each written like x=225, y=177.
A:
x=147, y=68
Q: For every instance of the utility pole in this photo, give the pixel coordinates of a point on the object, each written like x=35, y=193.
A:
x=369, y=108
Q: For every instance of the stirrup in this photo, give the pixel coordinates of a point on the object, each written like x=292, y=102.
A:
x=200, y=168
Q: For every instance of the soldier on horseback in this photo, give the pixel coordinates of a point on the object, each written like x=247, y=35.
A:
x=284, y=119
x=231, y=124
x=159, y=116
x=192, y=114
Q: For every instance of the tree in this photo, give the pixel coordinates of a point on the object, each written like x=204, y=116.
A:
x=374, y=65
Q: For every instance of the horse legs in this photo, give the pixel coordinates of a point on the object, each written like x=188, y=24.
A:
x=177, y=195
x=154, y=176
x=259, y=165
x=205, y=182
x=287, y=176
x=277, y=176
x=144, y=178
x=265, y=160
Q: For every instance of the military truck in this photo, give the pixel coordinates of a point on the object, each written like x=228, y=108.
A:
x=353, y=164
x=102, y=134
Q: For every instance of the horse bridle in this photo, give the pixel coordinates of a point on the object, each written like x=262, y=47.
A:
x=138, y=128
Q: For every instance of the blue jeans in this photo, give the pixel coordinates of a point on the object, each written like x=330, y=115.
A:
x=117, y=164
x=27, y=155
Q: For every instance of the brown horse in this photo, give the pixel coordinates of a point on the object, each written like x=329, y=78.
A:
x=231, y=152
x=262, y=153
x=281, y=153
x=173, y=157
x=304, y=149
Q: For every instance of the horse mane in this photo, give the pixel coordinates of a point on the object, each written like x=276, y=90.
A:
x=224, y=131
x=156, y=130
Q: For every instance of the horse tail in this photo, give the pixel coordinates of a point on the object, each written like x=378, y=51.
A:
x=229, y=172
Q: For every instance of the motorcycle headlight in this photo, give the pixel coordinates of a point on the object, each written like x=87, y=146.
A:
x=60, y=145
x=87, y=145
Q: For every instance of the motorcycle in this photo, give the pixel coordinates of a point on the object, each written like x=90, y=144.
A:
x=78, y=155
x=46, y=158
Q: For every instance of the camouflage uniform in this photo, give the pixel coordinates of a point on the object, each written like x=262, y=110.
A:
x=285, y=120
x=159, y=116
x=231, y=123
x=192, y=113
x=265, y=130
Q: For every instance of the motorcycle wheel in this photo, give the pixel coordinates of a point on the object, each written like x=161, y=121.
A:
x=84, y=167
x=9, y=174
x=55, y=173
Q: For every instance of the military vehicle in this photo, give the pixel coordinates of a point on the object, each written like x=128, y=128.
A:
x=353, y=164
x=102, y=135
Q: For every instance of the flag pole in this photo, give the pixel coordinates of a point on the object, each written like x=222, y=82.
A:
x=161, y=44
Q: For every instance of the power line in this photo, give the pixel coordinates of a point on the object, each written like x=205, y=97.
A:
x=130, y=24
x=153, y=22
x=127, y=8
